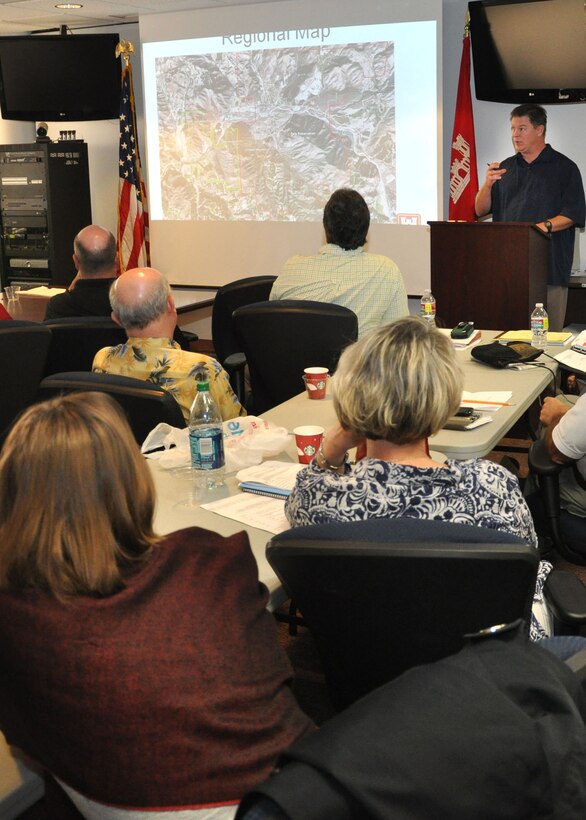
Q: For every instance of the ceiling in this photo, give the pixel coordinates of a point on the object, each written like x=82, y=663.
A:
x=25, y=16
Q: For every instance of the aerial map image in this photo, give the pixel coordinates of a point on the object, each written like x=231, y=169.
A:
x=268, y=134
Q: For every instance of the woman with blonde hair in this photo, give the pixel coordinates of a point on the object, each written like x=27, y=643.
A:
x=392, y=390
x=141, y=671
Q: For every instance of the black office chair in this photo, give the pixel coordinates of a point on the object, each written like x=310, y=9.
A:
x=75, y=342
x=23, y=353
x=547, y=473
x=226, y=346
x=281, y=338
x=386, y=594
x=144, y=403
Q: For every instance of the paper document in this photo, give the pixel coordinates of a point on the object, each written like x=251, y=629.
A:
x=275, y=478
x=42, y=291
x=572, y=360
x=253, y=510
x=488, y=401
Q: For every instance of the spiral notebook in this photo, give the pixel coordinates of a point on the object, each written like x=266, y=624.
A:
x=271, y=478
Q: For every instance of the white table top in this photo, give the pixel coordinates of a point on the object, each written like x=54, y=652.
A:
x=526, y=386
x=172, y=487
x=187, y=299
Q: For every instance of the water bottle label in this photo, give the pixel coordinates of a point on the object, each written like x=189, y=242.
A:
x=538, y=323
x=207, y=449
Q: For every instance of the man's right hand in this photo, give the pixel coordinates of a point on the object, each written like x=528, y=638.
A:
x=483, y=204
x=493, y=173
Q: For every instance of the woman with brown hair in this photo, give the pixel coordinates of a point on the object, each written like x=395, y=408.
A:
x=141, y=671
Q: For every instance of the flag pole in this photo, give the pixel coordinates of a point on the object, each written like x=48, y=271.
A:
x=133, y=222
x=463, y=170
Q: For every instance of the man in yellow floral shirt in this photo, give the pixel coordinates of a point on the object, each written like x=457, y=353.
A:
x=142, y=303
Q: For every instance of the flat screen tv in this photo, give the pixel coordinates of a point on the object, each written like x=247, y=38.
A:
x=532, y=51
x=60, y=78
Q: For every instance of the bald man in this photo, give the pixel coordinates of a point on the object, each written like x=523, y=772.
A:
x=94, y=257
x=142, y=303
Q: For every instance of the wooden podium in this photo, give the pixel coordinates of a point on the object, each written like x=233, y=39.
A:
x=490, y=273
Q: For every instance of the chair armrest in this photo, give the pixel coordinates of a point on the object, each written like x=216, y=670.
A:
x=234, y=365
x=540, y=460
x=234, y=362
x=566, y=597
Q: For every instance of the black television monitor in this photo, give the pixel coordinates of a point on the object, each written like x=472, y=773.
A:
x=60, y=78
x=529, y=50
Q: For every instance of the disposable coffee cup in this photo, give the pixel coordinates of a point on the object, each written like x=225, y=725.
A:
x=316, y=381
x=307, y=440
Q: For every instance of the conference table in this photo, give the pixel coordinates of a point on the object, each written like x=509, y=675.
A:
x=171, y=487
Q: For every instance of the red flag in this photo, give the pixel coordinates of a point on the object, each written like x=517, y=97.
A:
x=463, y=173
x=133, y=220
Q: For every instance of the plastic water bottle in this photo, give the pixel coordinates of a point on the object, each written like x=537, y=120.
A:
x=428, y=307
x=206, y=440
x=539, y=325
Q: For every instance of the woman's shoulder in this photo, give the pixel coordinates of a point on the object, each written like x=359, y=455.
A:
x=483, y=468
x=199, y=542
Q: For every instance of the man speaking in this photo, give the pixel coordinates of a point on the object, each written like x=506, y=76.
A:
x=539, y=185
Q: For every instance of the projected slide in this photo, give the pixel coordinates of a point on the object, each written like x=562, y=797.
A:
x=263, y=126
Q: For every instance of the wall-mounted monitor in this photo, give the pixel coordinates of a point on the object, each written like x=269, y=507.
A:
x=60, y=78
x=531, y=51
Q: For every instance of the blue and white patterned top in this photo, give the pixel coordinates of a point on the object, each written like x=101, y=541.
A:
x=476, y=492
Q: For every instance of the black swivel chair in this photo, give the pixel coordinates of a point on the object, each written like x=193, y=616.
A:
x=23, y=352
x=75, y=342
x=281, y=338
x=386, y=594
x=144, y=403
x=226, y=346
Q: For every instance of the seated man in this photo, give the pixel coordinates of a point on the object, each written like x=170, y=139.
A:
x=565, y=438
x=142, y=303
x=94, y=257
x=342, y=272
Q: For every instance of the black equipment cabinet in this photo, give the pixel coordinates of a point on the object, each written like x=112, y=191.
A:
x=44, y=202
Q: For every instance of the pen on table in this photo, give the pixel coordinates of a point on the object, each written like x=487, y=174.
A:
x=496, y=403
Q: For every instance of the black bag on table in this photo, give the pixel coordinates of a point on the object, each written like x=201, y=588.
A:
x=499, y=355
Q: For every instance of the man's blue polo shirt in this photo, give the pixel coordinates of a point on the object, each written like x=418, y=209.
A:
x=539, y=190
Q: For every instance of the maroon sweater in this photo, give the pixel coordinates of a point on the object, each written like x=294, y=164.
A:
x=172, y=692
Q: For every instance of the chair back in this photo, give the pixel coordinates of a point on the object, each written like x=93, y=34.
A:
x=144, y=403
x=383, y=595
x=281, y=338
x=75, y=342
x=228, y=298
x=23, y=353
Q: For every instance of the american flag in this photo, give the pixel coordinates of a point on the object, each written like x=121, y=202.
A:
x=133, y=220
x=463, y=172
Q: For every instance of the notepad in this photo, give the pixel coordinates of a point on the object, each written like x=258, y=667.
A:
x=460, y=343
x=553, y=337
x=271, y=478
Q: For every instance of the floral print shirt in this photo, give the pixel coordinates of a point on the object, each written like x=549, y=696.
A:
x=163, y=362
